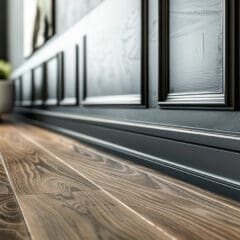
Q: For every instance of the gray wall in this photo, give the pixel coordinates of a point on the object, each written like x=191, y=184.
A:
x=68, y=12
x=15, y=32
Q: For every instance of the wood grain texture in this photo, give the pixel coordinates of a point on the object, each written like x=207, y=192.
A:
x=183, y=211
x=12, y=225
x=5, y=187
x=58, y=203
x=83, y=215
x=33, y=171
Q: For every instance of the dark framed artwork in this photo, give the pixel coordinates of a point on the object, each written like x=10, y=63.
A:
x=39, y=24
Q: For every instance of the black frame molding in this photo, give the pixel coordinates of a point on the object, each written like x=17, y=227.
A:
x=122, y=100
x=196, y=100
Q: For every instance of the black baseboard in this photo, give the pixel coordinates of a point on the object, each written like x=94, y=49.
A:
x=207, y=165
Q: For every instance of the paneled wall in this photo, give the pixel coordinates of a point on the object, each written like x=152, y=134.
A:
x=105, y=56
x=104, y=62
x=68, y=12
x=155, y=80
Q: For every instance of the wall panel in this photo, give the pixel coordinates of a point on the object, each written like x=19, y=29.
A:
x=69, y=76
x=113, y=54
x=38, y=79
x=196, y=52
x=18, y=94
x=27, y=89
x=52, y=77
x=197, y=46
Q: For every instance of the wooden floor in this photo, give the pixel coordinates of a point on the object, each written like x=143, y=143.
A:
x=53, y=187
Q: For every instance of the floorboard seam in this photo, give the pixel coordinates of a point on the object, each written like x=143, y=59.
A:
x=16, y=196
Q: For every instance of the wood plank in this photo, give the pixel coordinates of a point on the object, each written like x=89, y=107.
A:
x=12, y=225
x=83, y=215
x=5, y=187
x=33, y=171
x=59, y=203
x=183, y=211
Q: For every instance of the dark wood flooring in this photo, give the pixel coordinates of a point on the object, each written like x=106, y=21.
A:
x=68, y=190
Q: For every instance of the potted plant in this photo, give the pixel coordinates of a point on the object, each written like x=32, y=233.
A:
x=6, y=88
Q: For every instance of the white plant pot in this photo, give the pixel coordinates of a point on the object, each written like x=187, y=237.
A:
x=6, y=96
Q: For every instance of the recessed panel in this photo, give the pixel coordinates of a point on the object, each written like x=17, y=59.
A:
x=27, y=88
x=197, y=49
x=17, y=83
x=113, y=53
x=38, y=74
x=52, y=74
x=69, y=76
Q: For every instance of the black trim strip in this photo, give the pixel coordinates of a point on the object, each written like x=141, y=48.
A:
x=204, y=137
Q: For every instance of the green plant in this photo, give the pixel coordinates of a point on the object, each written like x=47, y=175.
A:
x=5, y=70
